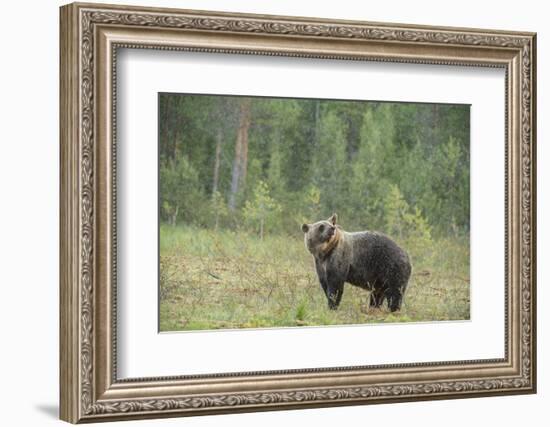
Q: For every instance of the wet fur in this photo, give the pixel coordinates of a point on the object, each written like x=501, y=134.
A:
x=366, y=259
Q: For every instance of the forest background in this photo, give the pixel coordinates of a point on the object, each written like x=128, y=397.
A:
x=239, y=175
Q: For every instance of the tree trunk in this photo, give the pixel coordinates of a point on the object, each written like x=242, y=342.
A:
x=217, y=161
x=235, y=173
x=244, y=127
x=238, y=176
x=317, y=123
x=164, y=123
x=175, y=216
x=173, y=129
x=435, y=125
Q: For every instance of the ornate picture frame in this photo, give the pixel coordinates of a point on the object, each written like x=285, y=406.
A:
x=90, y=37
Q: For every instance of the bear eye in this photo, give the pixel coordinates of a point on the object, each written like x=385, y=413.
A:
x=321, y=227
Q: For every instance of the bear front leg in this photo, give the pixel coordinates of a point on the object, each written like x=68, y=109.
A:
x=321, y=276
x=335, y=290
x=335, y=296
x=336, y=274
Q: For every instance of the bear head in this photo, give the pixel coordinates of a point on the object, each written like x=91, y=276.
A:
x=320, y=236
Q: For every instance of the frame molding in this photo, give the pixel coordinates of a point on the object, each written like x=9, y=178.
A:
x=89, y=37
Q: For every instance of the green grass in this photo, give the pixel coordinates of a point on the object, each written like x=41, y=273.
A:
x=225, y=279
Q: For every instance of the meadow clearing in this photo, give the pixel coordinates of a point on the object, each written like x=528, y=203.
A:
x=232, y=279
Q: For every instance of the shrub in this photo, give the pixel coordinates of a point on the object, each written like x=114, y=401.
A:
x=262, y=211
x=404, y=222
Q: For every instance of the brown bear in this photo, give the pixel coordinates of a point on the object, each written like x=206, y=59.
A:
x=367, y=259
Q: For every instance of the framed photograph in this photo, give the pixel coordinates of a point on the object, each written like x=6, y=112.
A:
x=266, y=212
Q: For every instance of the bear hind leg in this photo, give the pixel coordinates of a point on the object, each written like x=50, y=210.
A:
x=394, y=298
x=376, y=299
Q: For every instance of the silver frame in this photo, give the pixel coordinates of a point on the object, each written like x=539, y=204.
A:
x=90, y=37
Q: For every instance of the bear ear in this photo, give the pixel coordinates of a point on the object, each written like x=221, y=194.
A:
x=305, y=228
x=333, y=219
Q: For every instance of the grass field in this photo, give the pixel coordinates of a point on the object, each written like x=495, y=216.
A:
x=223, y=279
